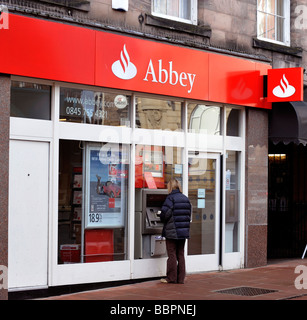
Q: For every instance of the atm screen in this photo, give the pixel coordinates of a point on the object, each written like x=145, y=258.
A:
x=155, y=200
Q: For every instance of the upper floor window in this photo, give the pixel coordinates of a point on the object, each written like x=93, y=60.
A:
x=180, y=10
x=273, y=21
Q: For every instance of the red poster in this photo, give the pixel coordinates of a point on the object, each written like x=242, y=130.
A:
x=150, y=180
x=111, y=202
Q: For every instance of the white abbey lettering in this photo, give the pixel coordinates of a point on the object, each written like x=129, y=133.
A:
x=170, y=75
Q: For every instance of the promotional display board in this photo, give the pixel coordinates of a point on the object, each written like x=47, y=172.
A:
x=106, y=180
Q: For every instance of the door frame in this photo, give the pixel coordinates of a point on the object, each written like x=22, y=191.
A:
x=208, y=262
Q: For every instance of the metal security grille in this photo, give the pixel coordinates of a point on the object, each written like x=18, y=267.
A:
x=246, y=291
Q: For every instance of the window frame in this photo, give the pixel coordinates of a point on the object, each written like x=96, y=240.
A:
x=193, y=19
x=286, y=27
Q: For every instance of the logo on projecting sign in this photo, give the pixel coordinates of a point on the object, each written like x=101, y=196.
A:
x=285, y=84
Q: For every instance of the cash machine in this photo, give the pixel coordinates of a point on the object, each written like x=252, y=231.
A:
x=148, y=227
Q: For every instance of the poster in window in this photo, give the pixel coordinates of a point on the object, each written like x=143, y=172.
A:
x=106, y=180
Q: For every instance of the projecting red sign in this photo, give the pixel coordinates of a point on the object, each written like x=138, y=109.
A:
x=285, y=84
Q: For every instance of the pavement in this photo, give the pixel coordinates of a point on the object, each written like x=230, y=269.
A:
x=278, y=280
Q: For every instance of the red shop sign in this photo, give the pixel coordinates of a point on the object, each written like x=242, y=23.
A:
x=44, y=49
x=147, y=66
x=285, y=84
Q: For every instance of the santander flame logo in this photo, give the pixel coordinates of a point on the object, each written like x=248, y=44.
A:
x=124, y=68
x=284, y=90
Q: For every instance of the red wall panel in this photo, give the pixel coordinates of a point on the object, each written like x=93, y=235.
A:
x=43, y=49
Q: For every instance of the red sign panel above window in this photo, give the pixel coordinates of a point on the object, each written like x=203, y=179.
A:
x=285, y=85
x=148, y=66
x=44, y=49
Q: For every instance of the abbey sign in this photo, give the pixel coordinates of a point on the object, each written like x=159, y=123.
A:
x=106, y=59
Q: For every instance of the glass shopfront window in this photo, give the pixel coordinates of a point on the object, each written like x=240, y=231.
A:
x=94, y=107
x=232, y=205
x=232, y=121
x=154, y=167
x=93, y=200
x=202, y=194
x=204, y=119
x=30, y=100
x=110, y=181
x=158, y=114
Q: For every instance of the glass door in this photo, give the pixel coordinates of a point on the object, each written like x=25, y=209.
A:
x=203, y=191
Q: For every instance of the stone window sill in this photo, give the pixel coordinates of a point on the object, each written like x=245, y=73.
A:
x=294, y=51
x=172, y=25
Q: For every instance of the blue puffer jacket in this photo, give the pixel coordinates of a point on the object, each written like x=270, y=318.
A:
x=176, y=216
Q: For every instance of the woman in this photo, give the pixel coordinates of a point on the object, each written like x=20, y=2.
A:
x=176, y=216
